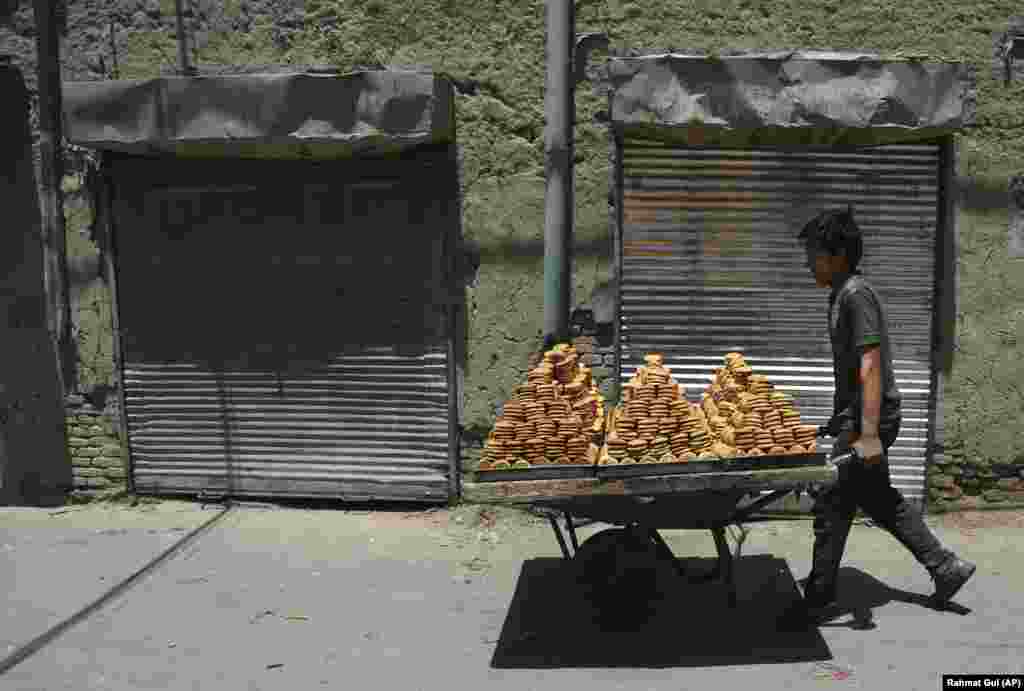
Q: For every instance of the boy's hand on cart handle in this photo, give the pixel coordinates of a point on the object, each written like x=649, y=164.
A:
x=830, y=428
x=869, y=448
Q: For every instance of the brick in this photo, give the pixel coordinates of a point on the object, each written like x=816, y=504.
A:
x=86, y=419
x=111, y=450
x=942, y=482
x=93, y=483
x=108, y=462
x=994, y=495
x=953, y=492
x=115, y=473
x=78, y=472
x=77, y=441
x=88, y=452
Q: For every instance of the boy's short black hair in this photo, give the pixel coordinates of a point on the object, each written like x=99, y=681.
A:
x=837, y=233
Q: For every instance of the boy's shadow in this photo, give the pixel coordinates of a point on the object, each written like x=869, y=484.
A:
x=860, y=593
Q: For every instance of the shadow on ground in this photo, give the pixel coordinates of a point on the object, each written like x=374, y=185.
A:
x=860, y=594
x=550, y=625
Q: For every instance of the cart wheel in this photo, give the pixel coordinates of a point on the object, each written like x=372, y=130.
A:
x=620, y=574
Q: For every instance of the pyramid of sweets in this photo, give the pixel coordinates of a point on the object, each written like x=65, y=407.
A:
x=555, y=418
x=739, y=414
x=750, y=417
x=655, y=423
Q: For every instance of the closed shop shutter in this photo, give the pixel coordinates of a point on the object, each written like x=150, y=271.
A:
x=710, y=264
x=284, y=326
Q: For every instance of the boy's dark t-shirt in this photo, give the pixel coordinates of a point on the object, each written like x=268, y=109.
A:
x=857, y=319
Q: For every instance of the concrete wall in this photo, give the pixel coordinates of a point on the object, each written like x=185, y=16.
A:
x=34, y=466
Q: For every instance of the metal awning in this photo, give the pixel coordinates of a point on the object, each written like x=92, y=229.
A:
x=789, y=99
x=294, y=115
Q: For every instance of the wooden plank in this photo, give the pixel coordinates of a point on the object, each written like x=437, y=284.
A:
x=540, y=491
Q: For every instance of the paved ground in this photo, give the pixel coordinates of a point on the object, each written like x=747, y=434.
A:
x=310, y=599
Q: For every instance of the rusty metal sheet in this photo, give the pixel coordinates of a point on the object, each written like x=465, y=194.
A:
x=808, y=98
x=711, y=264
x=262, y=115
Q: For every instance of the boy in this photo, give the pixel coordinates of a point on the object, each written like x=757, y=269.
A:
x=867, y=417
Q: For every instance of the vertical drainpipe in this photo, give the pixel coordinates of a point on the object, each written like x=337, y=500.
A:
x=186, y=69
x=558, y=150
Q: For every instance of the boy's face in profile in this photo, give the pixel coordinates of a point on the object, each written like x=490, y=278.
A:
x=823, y=266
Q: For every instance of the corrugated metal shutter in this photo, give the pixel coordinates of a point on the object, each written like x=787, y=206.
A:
x=285, y=334
x=710, y=264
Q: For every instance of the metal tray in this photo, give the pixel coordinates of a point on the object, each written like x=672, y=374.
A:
x=540, y=472
x=721, y=466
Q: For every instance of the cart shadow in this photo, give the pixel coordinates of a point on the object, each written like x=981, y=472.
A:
x=551, y=625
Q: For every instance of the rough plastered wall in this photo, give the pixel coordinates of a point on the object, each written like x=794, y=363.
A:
x=495, y=53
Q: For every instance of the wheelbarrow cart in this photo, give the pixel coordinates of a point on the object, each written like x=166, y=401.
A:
x=643, y=501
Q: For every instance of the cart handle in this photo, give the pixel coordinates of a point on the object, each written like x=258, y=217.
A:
x=852, y=455
x=842, y=459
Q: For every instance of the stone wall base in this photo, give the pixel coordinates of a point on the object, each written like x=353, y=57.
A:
x=99, y=463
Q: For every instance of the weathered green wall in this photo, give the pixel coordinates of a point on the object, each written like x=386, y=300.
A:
x=495, y=52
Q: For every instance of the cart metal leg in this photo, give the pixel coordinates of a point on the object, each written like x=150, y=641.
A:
x=559, y=536
x=572, y=532
x=725, y=563
x=666, y=553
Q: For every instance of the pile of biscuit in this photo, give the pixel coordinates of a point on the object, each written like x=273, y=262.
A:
x=556, y=418
x=740, y=414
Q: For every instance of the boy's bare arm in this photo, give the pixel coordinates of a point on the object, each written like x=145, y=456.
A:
x=871, y=386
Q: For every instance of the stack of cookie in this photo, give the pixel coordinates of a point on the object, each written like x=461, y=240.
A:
x=617, y=448
x=806, y=438
x=637, y=450
x=739, y=414
x=660, y=448
x=557, y=417
x=745, y=438
x=783, y=437
x=790, y=417
x=654, y=422
x=679, y=445
x=759, y=419
x=765, y=438
x=577, y=446
x=535, y=450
